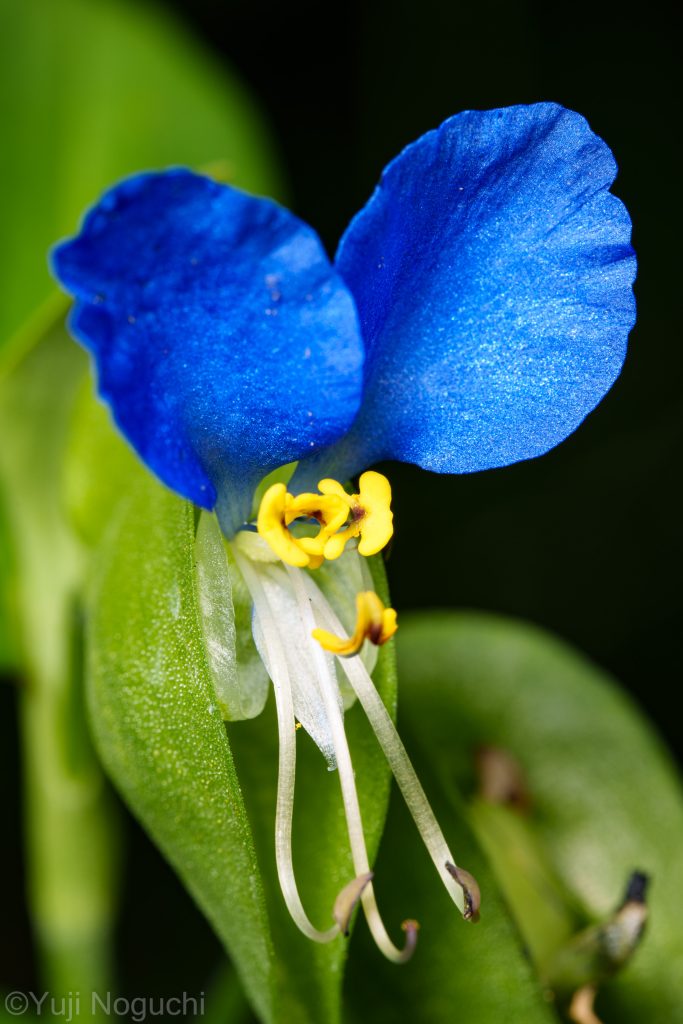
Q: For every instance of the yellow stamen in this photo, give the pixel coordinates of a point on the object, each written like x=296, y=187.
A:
x=279, y=509
x=374, y=622
x=371, y=515
x=369, y=511
x=330, y=511
x=271, y=526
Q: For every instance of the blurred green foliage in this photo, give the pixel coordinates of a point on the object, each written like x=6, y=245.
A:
x=92, y=90
x=69, y=834
x=605, y=799
x=9, y=654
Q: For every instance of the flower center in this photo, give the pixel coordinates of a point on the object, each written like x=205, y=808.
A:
x=283, y=519
x=298, y=633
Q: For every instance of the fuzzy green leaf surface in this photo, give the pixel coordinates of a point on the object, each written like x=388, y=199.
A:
x=158, y=727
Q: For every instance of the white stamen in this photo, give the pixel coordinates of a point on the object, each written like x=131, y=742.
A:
x=328, y=688
x=394, y=751
x=287, y=755
x=295, y=645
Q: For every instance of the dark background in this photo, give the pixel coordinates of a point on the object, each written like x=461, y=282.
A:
x=585, y=541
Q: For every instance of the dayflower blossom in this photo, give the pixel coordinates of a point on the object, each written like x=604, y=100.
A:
x=477, y=310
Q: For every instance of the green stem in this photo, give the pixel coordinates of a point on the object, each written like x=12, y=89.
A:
x=70, y=843
x=538, y=902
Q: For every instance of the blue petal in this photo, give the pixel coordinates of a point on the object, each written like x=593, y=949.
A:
x=225, y=342
x=492, y=272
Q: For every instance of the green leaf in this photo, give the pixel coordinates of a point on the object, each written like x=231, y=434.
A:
x=606, y=799
x=99, y=470
x=90, y=92
x=159, y=731
x=224, y=1001
x=158, y=727
x=472, y=972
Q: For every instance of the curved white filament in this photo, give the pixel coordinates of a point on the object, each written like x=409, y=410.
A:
x=328, y=688
x=394, y=751
x=287, y=755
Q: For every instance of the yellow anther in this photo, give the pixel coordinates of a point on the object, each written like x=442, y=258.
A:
x=374, y=622
x=371, y=515
x=271, y=526
x=340, y=516
x=279, y=509
x=330, y=511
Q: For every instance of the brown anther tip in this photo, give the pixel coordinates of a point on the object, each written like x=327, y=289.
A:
x=411, y=928
x=375, y=634
x=410, y=925
x=501, y=779
x=471, y=891
x=347, y=900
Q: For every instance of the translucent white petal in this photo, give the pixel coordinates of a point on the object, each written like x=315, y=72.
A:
x=239, y=678
x=298, y=646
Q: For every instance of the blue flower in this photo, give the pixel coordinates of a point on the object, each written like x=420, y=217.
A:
x=477, y=310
